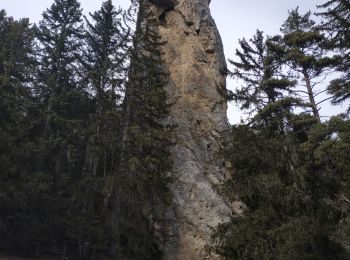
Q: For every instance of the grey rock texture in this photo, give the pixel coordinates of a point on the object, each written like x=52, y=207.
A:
x=193, y=55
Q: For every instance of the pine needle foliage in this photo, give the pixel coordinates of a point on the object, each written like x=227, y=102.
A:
x=336, y=23
x=142, y=182
x=294, y=188
x=301, y=48
x=289, y=170
x=104, y=61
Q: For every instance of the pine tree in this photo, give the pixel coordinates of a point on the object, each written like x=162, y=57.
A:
x=16, y=67
x=65, y=106
x=300, y=49
x=336, y=14
x=291, y=190
x=17, y=63
x=291, y=211
x=336, y=23
x=104, y=68
x=266, y=92
x=105, y=60
x=141, y=184
x=65, y=102
x=257, y=68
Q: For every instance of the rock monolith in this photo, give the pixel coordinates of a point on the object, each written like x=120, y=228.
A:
x=193, y=56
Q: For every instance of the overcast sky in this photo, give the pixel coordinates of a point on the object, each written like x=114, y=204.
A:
x=235, y=19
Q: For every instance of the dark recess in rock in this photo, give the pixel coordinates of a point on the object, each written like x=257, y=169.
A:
x=165, y=3
x=162, y=17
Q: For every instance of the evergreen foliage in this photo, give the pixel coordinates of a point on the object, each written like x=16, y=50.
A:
x=84, y=135
x=64, y=107
x=104, y=61
x=336, y=23
x=293, y=187
x=16, y=76
x=301, y=49
x=65, y=101
x=16, y=68
x=261, y=73
x=336, y=14
x=85, y=138
x=267, y=93
x=290, y=170
x=141, y=185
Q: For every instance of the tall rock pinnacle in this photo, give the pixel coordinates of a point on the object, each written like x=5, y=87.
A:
x=193, y=55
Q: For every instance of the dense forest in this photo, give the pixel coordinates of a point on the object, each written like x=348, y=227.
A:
x=290, y=165
x=85, y=138
x=81, y=135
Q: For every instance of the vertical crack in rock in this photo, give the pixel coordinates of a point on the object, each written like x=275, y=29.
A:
x=193, y=55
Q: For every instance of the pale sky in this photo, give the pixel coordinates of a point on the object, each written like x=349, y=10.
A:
x=235, y=19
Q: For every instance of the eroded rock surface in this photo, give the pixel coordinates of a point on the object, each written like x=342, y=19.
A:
x=193, y=54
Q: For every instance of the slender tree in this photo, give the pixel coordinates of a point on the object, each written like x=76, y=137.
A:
x=300, y=49
x=267, y=92
x=17, y=63
x=141, y=183
x=65, y=108
x=65, y=101
x=16, y=72
x=104, y=63
x=336, y=22
x=105, y=59
x=260, y=73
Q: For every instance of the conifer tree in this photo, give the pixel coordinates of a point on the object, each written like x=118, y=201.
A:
x=291, y=211
x=16, y=67
x=257, y=68
x=105, y=60
x=291, y=191
x=65, y=101
x=17, y=62
x=265, y=87
x=336, y=14
x=65, y=108
x=104, y=70
x=141, y=183
x=301, y=51
x=336, y=23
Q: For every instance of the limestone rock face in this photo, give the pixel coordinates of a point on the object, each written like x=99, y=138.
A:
x=193, y=55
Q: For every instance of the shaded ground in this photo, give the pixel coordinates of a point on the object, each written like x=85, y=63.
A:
x=11, y=257
x=5, y=256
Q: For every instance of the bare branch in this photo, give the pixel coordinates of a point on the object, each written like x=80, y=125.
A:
x=320, y=81
x=301, y=91
x=324, y=100
x=320, y=92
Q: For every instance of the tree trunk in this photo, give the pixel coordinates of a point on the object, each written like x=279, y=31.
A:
x=64, y=251
x=311, y=96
